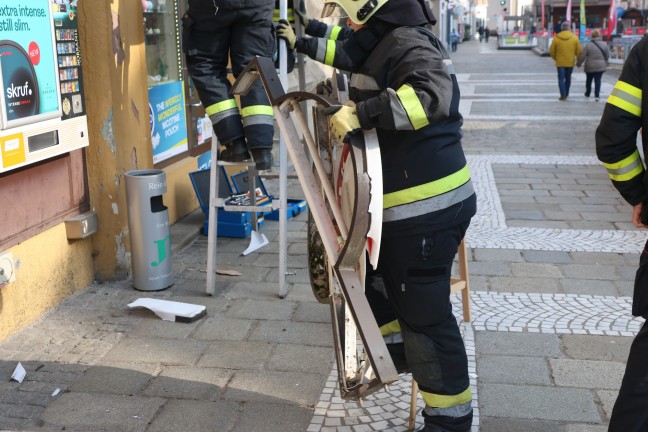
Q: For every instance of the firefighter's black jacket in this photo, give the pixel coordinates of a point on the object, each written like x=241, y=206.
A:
x=626, y=112
x=407, y=90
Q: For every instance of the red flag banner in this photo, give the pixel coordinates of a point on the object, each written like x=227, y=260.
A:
x=611, y=18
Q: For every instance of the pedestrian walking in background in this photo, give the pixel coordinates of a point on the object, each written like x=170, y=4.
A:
x=565, y=49
x=405, y=88
x=616, y=147
x=595, y=56
x=214, y=32
x=454, y=40
x=486, y=34
x=480, y=30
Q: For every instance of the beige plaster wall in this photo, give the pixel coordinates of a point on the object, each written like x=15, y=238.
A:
x=48, y=269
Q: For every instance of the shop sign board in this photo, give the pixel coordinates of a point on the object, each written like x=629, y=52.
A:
x=28, y=70
x=167, y=118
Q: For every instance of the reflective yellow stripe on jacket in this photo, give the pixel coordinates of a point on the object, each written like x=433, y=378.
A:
x=330, y=52
x=625, y=169
x=428, y=197
x=413, y=108
x=325, y=51
x=627, y=97
x=332, y=32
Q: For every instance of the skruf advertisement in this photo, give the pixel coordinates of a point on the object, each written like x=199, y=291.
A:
x=28, y=63
x=42, y=112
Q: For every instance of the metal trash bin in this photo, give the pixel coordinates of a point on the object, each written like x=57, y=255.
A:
x=148, y=227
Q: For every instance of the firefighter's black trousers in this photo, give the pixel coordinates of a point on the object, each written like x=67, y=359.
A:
x=415, y=271
x=239, y=35
x=630, y=412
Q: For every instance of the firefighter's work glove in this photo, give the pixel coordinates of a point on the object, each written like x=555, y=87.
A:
x=343, y=121
x=285, y=32
x=303, y=18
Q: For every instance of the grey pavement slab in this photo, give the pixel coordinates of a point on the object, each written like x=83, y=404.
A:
x=122, y=379
x=236, y=354
x=276, y=387
x=538, y=402
x=517, y=370
x=587, y=347
x=112, y=412
x=518, y=344
x=189, y=382
x=156, y=350
x=195, y=416
x=592, y=374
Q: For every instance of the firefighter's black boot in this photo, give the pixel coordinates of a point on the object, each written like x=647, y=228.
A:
x=235, y=151
x=262, y=157
x=447, y=424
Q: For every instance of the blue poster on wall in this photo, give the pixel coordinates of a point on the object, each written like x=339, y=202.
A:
x=27, y=63
x=167, y=120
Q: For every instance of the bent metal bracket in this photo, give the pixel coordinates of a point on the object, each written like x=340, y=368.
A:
x=338, y=181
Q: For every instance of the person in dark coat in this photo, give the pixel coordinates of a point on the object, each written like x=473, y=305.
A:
x=595, y=57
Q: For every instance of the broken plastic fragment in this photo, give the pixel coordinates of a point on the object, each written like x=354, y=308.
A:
x=170, y=310
x=19, y=373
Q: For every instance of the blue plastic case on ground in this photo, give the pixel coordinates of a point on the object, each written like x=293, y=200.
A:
x=233, y=223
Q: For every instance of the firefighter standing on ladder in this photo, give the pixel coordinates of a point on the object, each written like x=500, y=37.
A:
x=625, y=113
x=215, y=31
x=403, y=88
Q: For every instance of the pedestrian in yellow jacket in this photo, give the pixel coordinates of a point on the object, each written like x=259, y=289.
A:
x=565, y=50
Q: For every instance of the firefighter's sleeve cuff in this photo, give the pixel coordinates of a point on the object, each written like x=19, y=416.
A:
x=368, y=113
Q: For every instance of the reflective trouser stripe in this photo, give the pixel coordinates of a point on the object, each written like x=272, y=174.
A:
x=390, y=327
x=453, y=411
x=393, y=338
x=257, y=114
x=626, y=97
x=446, y=401
x=625, y=169
x=221, y=106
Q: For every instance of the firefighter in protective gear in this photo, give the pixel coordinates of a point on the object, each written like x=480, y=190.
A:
x=215, y=31
x=333, y=45
x=625, y=113
x=404, y=86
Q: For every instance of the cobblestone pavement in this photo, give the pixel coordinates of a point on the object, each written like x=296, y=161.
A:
x=552, y=256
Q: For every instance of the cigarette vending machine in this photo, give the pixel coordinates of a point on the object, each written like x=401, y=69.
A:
x=43, y=112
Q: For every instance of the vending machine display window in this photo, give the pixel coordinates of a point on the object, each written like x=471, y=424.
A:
x=42, y=108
